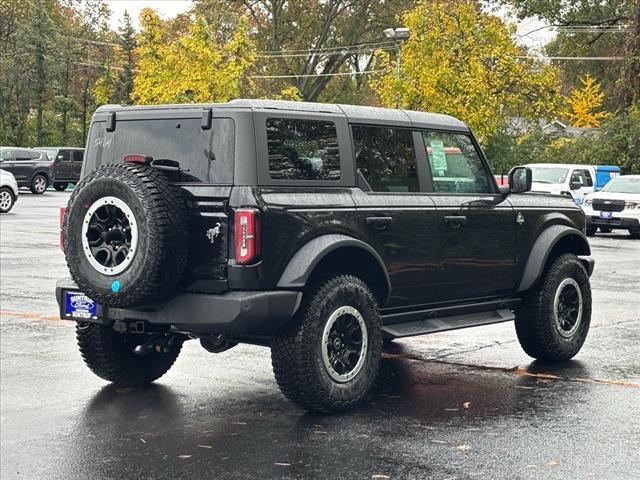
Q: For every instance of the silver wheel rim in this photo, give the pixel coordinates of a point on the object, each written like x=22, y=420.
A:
x=109, y=236
x=5, y=200
x=567, y=307
x=353, y=359
x=40, y=184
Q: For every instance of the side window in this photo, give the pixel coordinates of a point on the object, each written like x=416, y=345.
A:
x=302, y=149
x=6, y=155
x=587, y=177
x=65, y=154
x=455, y=164
x=385, y=158
x=78, y=155
x=22, y=155
x=35, y=155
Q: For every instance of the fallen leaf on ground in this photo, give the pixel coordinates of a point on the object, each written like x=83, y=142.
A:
x=380, y=476
x=553, y=463
x=466, y=405
x=282, y=464
x=438, y=441
x=184, y=456
x=464, y=448
x=143, y=440
x=204, y=446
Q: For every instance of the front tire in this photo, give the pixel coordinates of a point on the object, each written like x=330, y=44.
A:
x=110, y=356
x=60, y=187
x=553, y=319
x=329, y=360
x=39, y=184
x=6, y=200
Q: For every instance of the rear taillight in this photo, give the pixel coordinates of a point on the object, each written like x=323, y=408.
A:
x=63, y=211
x=247, y=235
x=137, y=158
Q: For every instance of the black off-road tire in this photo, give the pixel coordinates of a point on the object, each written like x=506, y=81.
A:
x=105, y=352
x=162, y=220
x=60, y=186
x=37, y=184
x=537, y=331
x=296, y=354
x=634, y=234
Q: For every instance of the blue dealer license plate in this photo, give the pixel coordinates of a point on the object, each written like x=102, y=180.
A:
x=606, y=215
x=78, y=305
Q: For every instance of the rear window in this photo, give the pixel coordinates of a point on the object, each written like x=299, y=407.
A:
x=204, y=155
x=303, y=149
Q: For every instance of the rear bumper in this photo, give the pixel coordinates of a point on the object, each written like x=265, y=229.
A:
x=626, y=223
x=232, y=313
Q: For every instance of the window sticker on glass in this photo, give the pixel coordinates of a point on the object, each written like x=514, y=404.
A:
x=438, y=157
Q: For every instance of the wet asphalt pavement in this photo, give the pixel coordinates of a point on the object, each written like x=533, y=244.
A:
x=222, y=416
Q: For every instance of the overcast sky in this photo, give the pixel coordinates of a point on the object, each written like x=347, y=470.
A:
x=170, y=8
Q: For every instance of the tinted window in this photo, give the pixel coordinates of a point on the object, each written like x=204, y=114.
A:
x=77, y=155
x=64, y=155
x=302, y=149
x=22, y=155
x=385, y=158
x=455, y=164
x=203, y=155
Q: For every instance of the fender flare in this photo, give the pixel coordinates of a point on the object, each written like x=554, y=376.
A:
x=543, y=246
x=302, y=264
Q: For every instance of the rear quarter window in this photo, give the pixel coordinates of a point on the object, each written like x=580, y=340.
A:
x=204, y=155
x=302, y=149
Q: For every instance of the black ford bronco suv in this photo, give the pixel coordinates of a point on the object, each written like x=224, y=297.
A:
x=319, y=230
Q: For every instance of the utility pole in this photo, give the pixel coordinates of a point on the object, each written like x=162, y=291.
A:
x=397, y=35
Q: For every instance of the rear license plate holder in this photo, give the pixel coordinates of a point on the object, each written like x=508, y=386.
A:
x=77, y=306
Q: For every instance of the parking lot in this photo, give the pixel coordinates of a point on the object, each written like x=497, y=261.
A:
x=455, y=405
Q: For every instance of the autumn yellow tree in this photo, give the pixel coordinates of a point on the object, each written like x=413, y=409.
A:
x=463, y=61
x=194, y=66
x=584, y=104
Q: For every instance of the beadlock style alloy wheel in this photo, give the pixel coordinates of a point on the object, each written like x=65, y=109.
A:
x=567, y=307
x=109, y=235
x=344, y=344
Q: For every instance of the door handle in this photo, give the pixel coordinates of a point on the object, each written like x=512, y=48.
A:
x=379, y=223
x=456, y=221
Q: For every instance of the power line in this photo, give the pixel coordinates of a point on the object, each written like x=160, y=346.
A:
x=539, y=57
x=337, y=74
x=323, y=49
x=344, y=51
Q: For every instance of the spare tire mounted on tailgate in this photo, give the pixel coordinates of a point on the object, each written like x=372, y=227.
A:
x=126, y=235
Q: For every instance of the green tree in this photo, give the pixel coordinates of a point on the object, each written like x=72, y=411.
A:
x=216, y=72
x=463, y=61
x=587, y=28
x=127, y=42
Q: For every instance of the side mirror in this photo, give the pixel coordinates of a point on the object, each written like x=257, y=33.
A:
x=520, y=179
x=59, y=158
x=575, y=185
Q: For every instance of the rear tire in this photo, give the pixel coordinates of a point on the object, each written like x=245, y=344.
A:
x=328, y=361
x=39, y=184
x=6, y=200
x=553, y=319
x=634, y=234
x=109, y=356
x=59, y=186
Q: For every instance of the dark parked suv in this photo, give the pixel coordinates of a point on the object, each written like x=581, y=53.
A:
x=66, y=166
x=318, y=230
x=30, y=167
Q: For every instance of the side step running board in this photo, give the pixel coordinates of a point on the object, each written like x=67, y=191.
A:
x=454, y=322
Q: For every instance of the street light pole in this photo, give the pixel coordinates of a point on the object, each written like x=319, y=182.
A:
x=397, y=35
